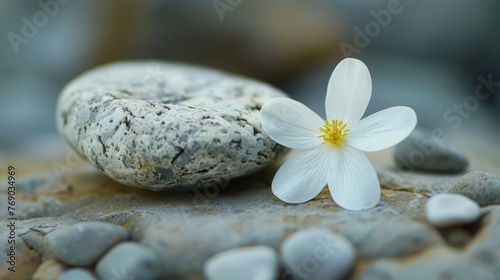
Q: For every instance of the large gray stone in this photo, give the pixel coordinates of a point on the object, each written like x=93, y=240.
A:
x=158, y=125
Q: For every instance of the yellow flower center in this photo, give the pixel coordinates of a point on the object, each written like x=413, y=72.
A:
x=334, y=133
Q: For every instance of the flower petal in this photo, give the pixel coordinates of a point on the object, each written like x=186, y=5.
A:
x=303, y=176
x=349, y=91
x=383, y=129
x=291, y=123
x=353, y=182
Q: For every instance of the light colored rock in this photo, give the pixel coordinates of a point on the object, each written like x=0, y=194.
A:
x=82, y=244
x=317, y=254
x=247, y=263
x=482, y=187
x=451, y=209
x=49, y=269
x=129, y=260
x=422, y=151
x=76, y=274
x=158, y=125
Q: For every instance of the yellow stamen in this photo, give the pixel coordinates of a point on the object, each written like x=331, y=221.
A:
x=334, y=133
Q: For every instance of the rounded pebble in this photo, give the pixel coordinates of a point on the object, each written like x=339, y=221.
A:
x=76, y=274
x=82, y=244
x=317, y=254
x=480, y=186
x=451, y=209
x=421, y=151
x=158, y=125
x=129, y=260
x=248, y=263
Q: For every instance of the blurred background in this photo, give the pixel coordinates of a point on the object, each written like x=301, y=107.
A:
x=425, y=54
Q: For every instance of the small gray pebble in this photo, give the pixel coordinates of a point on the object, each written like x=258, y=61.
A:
x=480, y=186
x=76, y=274
x=247, y=263
x=82, y=244
x=317, y=254
x=420, y=151
x=395, y=237
x=129, y=260
x=448, y=209
x=162, y=125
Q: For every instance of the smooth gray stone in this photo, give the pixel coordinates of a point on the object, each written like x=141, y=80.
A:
x=129, y=260
x=161, y=125
x=421, y=151
x=448, y=209
x=244, y=263
x=317, y=254
x=76, y=274
x=393, y=237
x=82, y=244
x=480, y=186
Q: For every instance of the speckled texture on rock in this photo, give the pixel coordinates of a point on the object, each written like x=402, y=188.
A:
x=422, y=151
x=480, y=186
x=158, y=125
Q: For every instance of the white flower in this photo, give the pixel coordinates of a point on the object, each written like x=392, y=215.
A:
x=332, y=150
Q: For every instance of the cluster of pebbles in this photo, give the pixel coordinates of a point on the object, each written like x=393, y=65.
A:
x=160, y=126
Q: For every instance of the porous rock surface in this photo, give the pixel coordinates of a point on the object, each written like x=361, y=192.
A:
x=159, y=125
